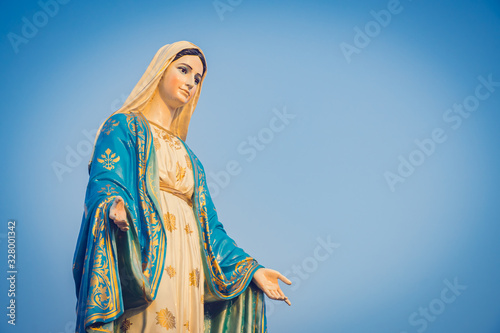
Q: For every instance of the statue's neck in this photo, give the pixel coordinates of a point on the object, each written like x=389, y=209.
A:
x=159, y=112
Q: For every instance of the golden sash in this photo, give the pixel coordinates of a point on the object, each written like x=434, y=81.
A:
x=166, y=188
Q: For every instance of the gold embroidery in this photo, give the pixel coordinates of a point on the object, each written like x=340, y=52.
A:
x=156, y=142
x=108, y=190
x=169, y=221
x=180, y=172
x=167, y=137
x=165, y=318
x=103, y=282
x=172, y=142
x=187, y=326
x=125, y=325
x=158, y=239
x=194, y=278
x=202, y=300
x=99, y=328
x=110, y=126
x=101, y=291
x=159, y=132
x=188, y=229
x=170, y=271
x=108, y=160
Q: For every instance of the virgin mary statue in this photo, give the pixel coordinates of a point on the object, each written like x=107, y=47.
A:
x=151, y=254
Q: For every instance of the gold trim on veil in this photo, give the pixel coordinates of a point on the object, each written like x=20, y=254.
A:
x=145, y=88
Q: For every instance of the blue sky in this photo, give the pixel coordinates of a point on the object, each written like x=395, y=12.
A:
x=365, y=134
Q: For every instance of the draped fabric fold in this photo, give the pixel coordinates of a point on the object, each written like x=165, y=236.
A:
x=107, y=280
x=115, y=270
x=245, y=313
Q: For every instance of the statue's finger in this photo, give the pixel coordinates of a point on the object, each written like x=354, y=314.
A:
x=121, y=224
x=268, y=294
x=284, y=279
x=276, y=295
x=281, y=294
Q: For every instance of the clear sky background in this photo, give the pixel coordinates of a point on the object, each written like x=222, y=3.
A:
x=366, y=136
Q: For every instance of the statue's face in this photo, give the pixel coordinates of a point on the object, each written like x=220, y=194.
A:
x=180, y=80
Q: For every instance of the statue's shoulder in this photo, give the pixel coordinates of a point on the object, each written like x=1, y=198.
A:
x=128, y=117
x=127, y=122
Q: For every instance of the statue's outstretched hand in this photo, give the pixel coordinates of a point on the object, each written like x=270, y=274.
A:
x=267, y=280
x=118, y=214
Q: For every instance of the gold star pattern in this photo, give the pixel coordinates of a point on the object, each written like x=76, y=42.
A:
x=169, y=221
x=194, y=278
x=187, y=326
x=180, y=172
x=188, y=229
x=165, y=318
x=170, y=271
